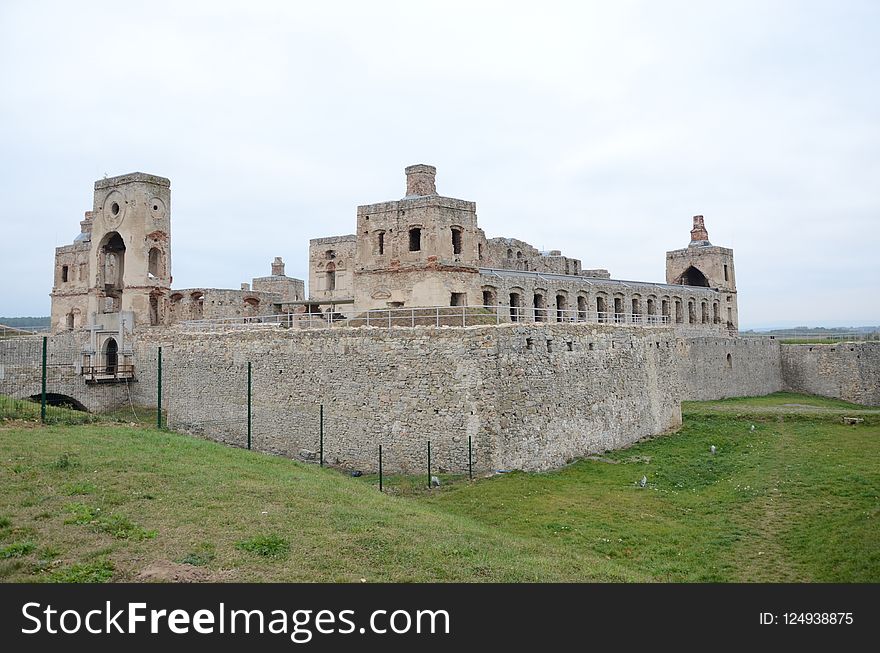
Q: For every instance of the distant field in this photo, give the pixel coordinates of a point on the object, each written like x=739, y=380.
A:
x=796, y=498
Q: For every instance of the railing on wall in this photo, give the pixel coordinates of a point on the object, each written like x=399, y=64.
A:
x=436, y=316
x=106, y=373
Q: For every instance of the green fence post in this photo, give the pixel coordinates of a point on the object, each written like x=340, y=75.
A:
x=249, y=404
x=159, y=392
x=429, y=464
x=321, y=438
x=470, y=460
x=43, y=391
x=380, y=468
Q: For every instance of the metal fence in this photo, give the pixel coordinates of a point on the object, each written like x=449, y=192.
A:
x=795, y=335
x=43, y=378
x=436, y=316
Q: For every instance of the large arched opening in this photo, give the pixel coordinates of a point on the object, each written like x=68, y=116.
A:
x=60, y=401
x=693, y=277
x=111, y=266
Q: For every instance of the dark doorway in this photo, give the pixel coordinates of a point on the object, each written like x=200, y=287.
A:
x=111, y=355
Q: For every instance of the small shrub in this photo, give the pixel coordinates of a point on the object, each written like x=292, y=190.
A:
x=48, y=553
x=17, y=550
x=4, y=522
x=92, y=572
x=66, y=461
x=268, y=546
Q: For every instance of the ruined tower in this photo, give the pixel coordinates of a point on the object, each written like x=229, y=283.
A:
x=421, y=250
x=703, y=264
x=116, y=276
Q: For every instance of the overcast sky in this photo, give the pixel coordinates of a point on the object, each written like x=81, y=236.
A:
x=595, y=128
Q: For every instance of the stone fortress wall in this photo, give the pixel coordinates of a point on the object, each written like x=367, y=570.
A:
x=720, y=368
x=530, y=396
x=848, y=370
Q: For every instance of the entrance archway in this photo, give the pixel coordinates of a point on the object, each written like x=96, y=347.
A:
x=111, y=355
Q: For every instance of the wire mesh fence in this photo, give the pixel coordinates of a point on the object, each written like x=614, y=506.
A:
x=47, y=379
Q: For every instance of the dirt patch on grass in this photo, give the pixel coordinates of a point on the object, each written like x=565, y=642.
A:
x=164, y=571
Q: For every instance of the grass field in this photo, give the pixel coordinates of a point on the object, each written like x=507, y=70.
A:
x=796, y=498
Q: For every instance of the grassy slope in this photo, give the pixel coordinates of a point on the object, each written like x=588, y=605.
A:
x=795, y=499
x=202, y=499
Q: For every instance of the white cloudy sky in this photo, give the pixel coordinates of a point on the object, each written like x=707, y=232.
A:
x=596, y=128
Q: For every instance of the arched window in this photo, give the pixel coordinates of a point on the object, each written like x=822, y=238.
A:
x=509, y=253
x=692, y=312
x=519, y=254
x=704, y=312
x=112, y=261
x=619, y=315
x=515, y=306
x=716, y=313
x=198, y=304
x=251, y=306
x=111, y=356
x=636, y=309
x=561, y=307
x=490, y=296
x=540, y=305
x=155, y=266
x=582, y=309
x=381, y=243
x=70, y=321
x=331, y=277
x=602, y=309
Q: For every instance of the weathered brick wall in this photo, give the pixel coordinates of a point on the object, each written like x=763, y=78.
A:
x=848, y=371
x=524, y=405
x=752, y=369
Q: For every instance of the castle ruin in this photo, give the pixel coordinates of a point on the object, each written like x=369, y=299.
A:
x=563, y=361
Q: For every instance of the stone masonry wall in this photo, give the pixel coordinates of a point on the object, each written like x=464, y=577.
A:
x=530, y=396
x=848, y=371
x=718, y=368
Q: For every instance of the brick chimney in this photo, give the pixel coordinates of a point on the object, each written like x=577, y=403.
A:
x=699, y=235
x=420, y=180
x=277, y=267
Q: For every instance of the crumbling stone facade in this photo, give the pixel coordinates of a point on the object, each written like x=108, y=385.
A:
x=115, y=278
x=427, y=250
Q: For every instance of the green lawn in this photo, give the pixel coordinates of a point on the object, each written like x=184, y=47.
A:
x=794, y=499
